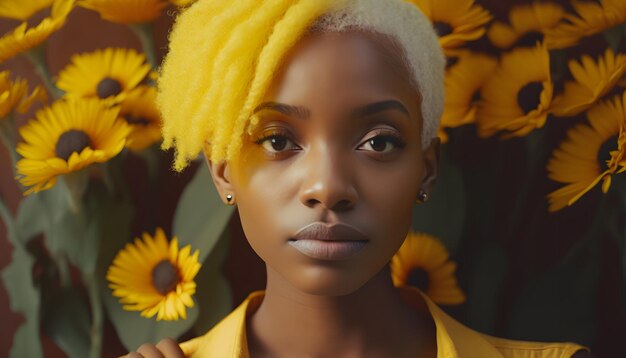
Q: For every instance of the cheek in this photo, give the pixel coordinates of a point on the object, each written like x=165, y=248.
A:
x=262, y=198
x=391, y=195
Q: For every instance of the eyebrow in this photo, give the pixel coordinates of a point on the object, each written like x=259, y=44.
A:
x=305, y=113
x=376, y=107
x=286, y=109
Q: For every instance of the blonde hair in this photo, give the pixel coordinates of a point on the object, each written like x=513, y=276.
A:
x=223, y=55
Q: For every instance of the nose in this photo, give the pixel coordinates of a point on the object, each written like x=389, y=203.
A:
x=328, y=181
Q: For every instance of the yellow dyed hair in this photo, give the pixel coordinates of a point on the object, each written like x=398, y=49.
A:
x=223, y=55
x=207, y=90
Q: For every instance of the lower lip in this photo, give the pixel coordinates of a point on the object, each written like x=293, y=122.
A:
x=328, y=250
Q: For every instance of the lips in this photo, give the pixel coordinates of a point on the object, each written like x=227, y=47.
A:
x=324, y=241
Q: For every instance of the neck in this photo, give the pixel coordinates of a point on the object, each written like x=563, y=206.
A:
x=373, y=320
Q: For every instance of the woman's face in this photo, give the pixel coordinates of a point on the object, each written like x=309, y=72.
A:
x=336, y=155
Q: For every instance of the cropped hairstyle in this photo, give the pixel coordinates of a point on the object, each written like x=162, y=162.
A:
x=223, y=55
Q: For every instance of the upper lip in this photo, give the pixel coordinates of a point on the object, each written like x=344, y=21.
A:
x=330, y=232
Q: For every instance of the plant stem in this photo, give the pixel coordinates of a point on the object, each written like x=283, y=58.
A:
x=9, y=222
x=7, y=135
x=37, y=58
x=144, y=33
x=96, y=315
x=76, y=184
x=64, y=271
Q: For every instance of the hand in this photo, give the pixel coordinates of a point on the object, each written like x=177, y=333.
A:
x=166, y=348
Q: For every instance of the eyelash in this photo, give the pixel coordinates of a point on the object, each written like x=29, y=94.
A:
x=380, y=134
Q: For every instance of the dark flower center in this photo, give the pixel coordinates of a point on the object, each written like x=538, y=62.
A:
x=475, y=97
x=70, y=142
x=165, y=277
x=108, y=87
x=418, y=278
x=604, y=154
x=136, y=120
x=451, y=61
x=529, y=39
x=442, y=29
x=529, y=96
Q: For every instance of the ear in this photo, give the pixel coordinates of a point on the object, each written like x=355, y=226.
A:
x=220, y=173
x=431, y=164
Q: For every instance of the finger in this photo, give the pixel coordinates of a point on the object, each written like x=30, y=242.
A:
x=133, y=355
x=149, y=351
x=170, y=348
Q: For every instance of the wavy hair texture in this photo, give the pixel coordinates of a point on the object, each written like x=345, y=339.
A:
x=223, y=55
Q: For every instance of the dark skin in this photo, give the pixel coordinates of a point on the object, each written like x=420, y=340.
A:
x=338, y=140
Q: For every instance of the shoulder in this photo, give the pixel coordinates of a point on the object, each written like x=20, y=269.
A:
x=228, y=337
x=524, y=349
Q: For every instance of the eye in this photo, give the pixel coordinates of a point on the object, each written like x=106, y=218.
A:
x=276, y=143
x=382, y=144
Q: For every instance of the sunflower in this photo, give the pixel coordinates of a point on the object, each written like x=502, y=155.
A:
x=66, y=137
x=455, y=21
x=14, y=95
x=463, y=82
x=109, y=73
x=23, y=38
x=422, y=261
x=527, y=24
x=155, y=277
x=590, y=154
x=592, y=81
x=591, y=18
x=140, y=112
x=22, y=10
x=126, y=11
x=517, y=97
x=182, y=2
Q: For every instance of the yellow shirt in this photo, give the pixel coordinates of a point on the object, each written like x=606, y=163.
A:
x=228, y=338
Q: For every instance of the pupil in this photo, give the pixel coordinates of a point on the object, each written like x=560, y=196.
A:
x=378, y=144
x=279, y=143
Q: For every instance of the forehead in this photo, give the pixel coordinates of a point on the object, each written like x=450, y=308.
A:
x=341, y=64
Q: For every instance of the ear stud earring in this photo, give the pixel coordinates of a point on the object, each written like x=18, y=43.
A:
x=230, y=199
x=422, y=196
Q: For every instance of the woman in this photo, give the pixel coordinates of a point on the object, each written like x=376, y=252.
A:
x=318, y=119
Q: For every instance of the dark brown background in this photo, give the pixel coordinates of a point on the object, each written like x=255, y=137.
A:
x=85, y=31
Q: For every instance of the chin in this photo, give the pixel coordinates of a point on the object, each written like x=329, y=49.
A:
x=326, y=281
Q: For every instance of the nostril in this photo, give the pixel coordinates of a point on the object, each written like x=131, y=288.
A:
x=312, y=202
x=342, y=204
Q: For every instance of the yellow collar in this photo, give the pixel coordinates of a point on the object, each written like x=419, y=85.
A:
x=228, y=338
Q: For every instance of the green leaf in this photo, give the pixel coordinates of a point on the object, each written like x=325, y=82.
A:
x=39, y=212
x=444, y=214
x=200, y=216
x=214, y=295
x=31, y=217
x=79, y=235
x=134, y=330
x=25, y=299
x=66, y=322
